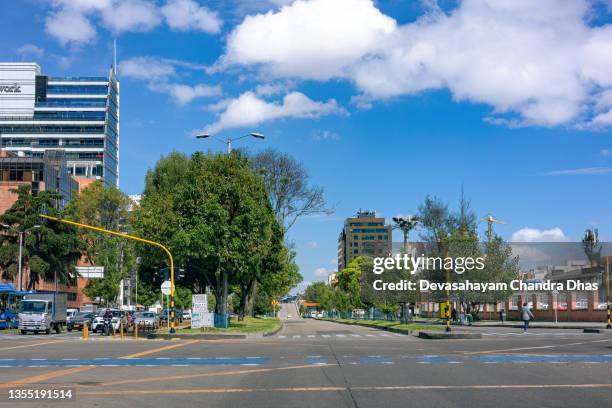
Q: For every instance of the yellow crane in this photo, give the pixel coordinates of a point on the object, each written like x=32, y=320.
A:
x=490, y=220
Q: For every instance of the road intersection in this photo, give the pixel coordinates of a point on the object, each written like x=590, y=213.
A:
x=318, y=363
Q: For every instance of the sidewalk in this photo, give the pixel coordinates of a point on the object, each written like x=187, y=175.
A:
x=544, y=325
x=532, y=324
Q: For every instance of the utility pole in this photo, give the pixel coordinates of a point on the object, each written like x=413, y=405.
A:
x=609, y=325
x=228, y=141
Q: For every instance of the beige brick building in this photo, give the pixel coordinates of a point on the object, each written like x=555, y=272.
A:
x=363, y=235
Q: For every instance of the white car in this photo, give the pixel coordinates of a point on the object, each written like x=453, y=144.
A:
x=118, y=317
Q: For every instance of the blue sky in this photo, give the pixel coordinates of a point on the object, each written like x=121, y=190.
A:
x=383, y=102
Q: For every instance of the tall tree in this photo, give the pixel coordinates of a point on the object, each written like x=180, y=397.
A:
x=49, y=252
x=287, y=184
x=591, y=246
x=218, y=222
x=405, y=224
x=105, y=207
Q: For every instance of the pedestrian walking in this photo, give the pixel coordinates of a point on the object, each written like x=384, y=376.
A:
x=526, y=315
x=454, y=315
x=502, y=315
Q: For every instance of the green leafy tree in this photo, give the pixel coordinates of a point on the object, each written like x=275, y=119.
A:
x=216, y=218
x=183, y=297
x=49, y=252
x=105, y=207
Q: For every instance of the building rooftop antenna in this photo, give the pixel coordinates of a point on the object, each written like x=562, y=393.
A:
x=115, y=56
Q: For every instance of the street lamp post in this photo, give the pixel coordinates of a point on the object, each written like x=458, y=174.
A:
x=228, y=141
x=609, y=325
x=21, y=234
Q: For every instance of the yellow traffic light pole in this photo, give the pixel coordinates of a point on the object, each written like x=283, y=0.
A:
x=146, y=241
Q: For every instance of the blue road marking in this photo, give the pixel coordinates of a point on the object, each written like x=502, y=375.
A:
x=313, y=360
x=150, y=362
x=375, y=360
x=433, y=360
x=549, y=358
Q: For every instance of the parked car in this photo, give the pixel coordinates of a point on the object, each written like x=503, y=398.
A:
x=70, y=313
x=146, y=319
x=119, y=316
x=582, y=304
x=78, y=321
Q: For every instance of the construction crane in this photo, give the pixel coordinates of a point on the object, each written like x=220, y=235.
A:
x=490, y=220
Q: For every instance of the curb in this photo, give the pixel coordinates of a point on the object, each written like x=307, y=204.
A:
x=273, y=332
x=449, y=335
x=215, y=336
x=542, y=326
x=373, y=326
x=204, y=336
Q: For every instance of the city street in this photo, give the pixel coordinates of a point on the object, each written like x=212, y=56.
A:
x=316, y=363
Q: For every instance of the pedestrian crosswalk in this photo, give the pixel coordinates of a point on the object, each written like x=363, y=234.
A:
x=339, y=336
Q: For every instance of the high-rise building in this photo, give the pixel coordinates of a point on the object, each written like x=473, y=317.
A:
x=79, y=115
x=363, y=235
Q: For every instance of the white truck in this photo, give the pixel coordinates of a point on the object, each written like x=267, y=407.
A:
x=42, y=312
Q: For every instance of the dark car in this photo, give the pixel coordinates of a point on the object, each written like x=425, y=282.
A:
x=77, y=322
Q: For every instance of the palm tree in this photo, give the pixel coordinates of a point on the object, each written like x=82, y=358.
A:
x=405, y=224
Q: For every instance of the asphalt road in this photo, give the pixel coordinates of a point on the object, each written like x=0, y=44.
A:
x=317, y=364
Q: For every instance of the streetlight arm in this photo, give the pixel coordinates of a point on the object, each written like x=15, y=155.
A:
x=241, y=137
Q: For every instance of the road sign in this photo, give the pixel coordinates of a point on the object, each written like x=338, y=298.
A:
x=200, y=317
x=274, y=302
x=166, y=287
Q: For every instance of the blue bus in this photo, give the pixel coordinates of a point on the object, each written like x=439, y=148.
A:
x=9, y=305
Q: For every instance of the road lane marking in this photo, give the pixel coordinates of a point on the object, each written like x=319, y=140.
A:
x=41, y=343
x=153, y=351
x=45, y=377
x=534, y=347
x=60, y=373
x=157, y=391
x=201, y=375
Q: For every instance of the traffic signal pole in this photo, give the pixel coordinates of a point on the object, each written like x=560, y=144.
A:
x=132, y=237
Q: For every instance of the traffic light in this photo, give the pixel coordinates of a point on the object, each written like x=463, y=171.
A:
x=179, y=273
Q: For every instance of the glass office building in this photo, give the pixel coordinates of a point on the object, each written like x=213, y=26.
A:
x=79, y=115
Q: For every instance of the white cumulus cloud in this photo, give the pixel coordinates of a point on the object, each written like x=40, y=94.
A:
x=159, y=74
x=321, y=272
x=251, y=110
x=75, y=21
x=536, y=235
x=185, y=15
x=311, y=39
x=30, y=50
x=184, y=94
x=146, y=68
x=534, y=62
x=69, y=25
